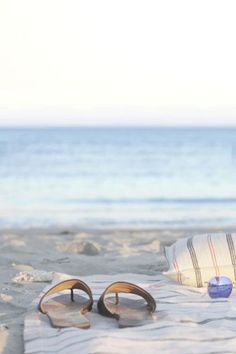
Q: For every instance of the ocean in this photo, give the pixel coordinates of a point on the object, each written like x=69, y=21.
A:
x=117, y=177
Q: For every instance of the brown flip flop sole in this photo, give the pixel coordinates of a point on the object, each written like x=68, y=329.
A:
x=129, y=312
x=66, y=310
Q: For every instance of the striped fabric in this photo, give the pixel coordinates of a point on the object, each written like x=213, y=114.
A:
x=194, y=260
x=186, y=321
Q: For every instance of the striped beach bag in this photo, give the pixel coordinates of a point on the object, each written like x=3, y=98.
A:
x=195, y=259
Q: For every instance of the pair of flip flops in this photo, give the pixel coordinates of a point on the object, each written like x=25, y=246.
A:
x=69, y=311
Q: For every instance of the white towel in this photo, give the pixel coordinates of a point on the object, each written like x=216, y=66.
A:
x=186, y=321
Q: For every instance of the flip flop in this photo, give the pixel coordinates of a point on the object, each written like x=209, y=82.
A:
x=129, y=312
x=64, y=310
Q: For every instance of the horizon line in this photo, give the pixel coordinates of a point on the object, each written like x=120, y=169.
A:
x=168, y=126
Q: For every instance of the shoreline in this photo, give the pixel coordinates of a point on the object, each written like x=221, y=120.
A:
x=76, y=251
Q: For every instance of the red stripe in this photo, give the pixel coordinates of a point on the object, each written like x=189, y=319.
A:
x=176, y=270
x=178, y=273
x=213, y=255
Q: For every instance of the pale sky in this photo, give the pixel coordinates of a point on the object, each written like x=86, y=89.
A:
x=109, y=62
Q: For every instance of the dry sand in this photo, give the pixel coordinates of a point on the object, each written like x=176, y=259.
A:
x=76, y=252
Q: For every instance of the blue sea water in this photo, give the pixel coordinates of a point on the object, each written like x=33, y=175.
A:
x=147, y=177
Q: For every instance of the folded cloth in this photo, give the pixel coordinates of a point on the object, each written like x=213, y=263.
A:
x=195, y=259
x=186, y=321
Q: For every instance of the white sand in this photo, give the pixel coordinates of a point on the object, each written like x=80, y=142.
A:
x=25, y=252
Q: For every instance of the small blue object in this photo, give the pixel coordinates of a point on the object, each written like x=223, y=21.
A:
x=219, y=287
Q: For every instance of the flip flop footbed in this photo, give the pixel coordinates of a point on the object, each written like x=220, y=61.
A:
x=63, y=312
x=130, y=312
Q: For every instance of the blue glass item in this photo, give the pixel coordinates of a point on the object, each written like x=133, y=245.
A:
x=219, y=287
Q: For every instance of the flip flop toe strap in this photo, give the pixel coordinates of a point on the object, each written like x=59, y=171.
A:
x=124, y=287
x=70, y=284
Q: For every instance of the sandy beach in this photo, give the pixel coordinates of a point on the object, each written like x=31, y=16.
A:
x=23, y=253
x=118, y=138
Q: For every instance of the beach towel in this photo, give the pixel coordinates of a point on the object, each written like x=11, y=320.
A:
x=186, y=321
